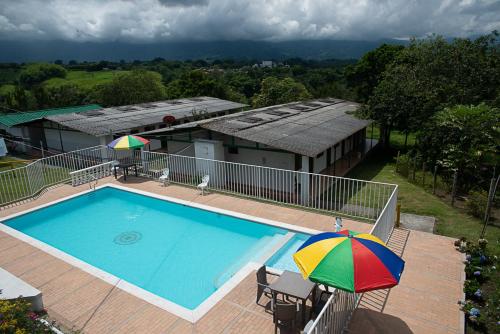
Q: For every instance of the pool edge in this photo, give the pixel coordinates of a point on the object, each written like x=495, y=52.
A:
x=180, y=311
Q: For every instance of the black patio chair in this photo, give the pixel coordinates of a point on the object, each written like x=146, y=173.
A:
x=263, y=284
x=285, y=318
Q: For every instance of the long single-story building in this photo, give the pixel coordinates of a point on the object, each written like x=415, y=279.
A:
x=319, y=136
x=67, y=129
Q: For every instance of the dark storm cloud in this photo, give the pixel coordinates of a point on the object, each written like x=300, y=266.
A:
x=156, y=20
x=184, y=3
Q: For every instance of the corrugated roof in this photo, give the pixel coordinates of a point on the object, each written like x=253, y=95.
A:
x=121, y=119
x=306, y=128
x=12, y=119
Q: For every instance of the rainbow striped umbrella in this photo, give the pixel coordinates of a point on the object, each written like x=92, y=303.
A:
x=350, y=261
x=128, y=142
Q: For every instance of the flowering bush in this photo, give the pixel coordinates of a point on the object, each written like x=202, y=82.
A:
x=481, y=286
x=16, y=318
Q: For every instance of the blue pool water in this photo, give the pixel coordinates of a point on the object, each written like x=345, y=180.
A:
x=283, y=259
x=178, y=252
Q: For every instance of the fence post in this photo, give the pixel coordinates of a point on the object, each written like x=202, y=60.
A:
x=454, y=187
x=397, y=162
x=41, y=148
x=491, y=197
x=398, y=214
x=434, y=180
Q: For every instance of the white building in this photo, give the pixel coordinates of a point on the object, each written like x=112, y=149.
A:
x=320, y=136
x=68, y=129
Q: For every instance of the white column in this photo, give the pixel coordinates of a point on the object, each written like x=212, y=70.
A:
x=105, y=140
x=304, y=181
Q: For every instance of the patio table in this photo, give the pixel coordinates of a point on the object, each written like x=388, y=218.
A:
x=292, y=284
x=125, y=167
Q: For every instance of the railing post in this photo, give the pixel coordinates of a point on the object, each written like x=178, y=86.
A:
x=398, y=214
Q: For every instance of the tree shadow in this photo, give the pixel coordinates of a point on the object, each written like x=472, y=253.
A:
x=371, y=166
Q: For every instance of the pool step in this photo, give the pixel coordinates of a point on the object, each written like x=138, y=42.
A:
x=255, y=252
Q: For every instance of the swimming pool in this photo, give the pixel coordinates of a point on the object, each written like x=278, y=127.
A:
x=178, y=252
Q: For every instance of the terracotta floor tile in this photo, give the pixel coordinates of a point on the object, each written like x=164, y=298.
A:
x=78, y=303
x=113, y=312
x=22, y=265
x=150, y=319
x=424, y=302
x=218, y=318
x=65, y=284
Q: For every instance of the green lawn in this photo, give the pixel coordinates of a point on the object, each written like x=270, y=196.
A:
x=7, y=163
x=451, y=221
x=15, y=182
x=83, y=79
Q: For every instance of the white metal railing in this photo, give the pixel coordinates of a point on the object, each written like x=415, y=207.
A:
x=349, y=197
x=385, y=222
x=335, y=315
x=25, y=182
x=343, y=196
x=89, y=174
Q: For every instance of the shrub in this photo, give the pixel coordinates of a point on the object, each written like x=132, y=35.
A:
x=477, y=202
x=35, y=74
x=404, y=164
x=16, y=318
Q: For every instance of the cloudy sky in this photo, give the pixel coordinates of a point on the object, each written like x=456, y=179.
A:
x=270, y=20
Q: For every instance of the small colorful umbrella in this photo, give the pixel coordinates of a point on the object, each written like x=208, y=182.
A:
x=350, y=261
x=128, y=142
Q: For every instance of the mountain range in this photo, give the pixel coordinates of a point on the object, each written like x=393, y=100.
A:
x=32, y=51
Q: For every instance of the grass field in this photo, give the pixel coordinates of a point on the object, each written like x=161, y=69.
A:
x=451, y=221
x=7, y=163
x=83, y=79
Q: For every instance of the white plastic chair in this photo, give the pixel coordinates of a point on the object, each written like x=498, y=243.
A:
x=204, y=184
x=165, y=177
x=114, y=167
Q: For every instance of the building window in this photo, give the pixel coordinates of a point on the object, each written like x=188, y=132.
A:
x=320, y=155
x=232, y=149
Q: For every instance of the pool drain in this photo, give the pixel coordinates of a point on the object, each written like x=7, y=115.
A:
x=127, y=238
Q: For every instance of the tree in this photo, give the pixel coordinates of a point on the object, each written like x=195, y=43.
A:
x=64, y=95
x=367, y=73
x=464, y=138
x=137, y=86
x=278, y=91
x=19, y=99
x=430, y=75
x=35, y=74
x=195, y=83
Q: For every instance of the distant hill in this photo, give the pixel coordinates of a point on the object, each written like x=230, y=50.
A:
x=17, y=51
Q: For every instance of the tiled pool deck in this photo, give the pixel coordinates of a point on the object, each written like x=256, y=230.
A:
x=424, y=302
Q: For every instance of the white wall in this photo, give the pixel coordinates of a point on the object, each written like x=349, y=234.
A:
x=262, y=158
x=181, y=148
x=15, y=131
x=72, y=140
x=154, y=144
x=320, y=163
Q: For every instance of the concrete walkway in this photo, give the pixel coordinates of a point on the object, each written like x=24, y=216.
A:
x=424, y=302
